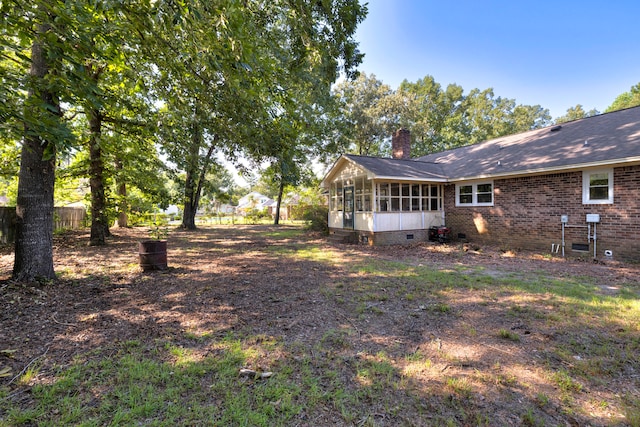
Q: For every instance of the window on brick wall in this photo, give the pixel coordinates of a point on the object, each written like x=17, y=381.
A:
x=476, y=194
x=597, y=187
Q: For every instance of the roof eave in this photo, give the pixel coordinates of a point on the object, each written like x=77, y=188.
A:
x=517, y=173
x=543, y=171
x=332, y=171
x=412, y=179
x=326, y=181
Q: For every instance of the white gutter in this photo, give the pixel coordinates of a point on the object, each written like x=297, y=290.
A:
x=400, y=178
x=536, y=171
x=543, y=171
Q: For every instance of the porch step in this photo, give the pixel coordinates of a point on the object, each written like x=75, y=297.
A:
x=343, y=236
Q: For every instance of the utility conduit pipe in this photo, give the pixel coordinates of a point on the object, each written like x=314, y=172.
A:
x=565, y=224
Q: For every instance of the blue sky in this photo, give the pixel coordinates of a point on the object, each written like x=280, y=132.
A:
x=553, y=53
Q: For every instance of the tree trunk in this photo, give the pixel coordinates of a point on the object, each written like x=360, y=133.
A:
x=34, y=225
x=193, y=189
x=190, y=206
x=123, y=220
x=99, y=222
x=203, y=176
x=189, y=212
x=279, y=202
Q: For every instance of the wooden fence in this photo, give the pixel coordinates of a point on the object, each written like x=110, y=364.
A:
x=63, y=219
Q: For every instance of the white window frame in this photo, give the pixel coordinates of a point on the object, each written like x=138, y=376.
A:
x=407, y=202
x=586, y=186
x=474, y=193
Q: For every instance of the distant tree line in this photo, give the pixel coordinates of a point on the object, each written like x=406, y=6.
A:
x=438, y=117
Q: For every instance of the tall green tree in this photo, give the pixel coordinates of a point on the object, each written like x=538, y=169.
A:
x=232, y=86
x=436, y=115
x=365, y=123
x=51, y=43
x=136, y=166
x=203, y=81
x=288, y=169
x=575, y=113
x=626, y=99
x=38, y=25
x=490, y=117
x=112, y=95
x=527, y=117
x=438, y=118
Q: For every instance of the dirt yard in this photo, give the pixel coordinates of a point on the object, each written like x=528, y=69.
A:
x=238, y=279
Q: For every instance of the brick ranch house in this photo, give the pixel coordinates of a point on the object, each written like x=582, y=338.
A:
x=571, y=189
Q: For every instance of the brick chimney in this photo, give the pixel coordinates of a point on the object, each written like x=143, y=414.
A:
x=401, y=144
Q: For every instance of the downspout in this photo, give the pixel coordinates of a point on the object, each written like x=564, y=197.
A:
x=563, y=239
x=594, y=241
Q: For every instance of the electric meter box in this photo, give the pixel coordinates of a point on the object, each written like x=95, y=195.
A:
x=593, y=217
x=564, y=219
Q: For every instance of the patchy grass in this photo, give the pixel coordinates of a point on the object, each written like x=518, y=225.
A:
x=332, y=335
x=163, y=385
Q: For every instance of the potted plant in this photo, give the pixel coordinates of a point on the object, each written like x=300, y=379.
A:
x=153, y=252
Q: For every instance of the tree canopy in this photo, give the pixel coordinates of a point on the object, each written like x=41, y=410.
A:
x=626, y=99
x=197, y=77
x=575, y=113
x=438, y=118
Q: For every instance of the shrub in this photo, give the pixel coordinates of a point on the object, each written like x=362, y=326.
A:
x=317, y=218
x=254, y=216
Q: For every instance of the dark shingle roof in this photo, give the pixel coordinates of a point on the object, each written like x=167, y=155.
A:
x=400, y=169
x=605, y=139
x=602, y=140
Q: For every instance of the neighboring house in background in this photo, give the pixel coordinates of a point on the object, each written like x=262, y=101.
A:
x=171, y=210
x=573, y=187
x=226, y=209
x=254, y=200
x=289, y=201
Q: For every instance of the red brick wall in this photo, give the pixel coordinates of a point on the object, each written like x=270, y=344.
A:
x=526, y=214
x=401, y=144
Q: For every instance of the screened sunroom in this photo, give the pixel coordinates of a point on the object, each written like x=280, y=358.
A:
x=373, y=195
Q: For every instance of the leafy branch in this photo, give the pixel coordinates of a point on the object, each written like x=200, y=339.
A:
x=158, y=230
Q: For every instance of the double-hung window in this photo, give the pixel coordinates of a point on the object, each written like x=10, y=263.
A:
x=476, y=194
x=597, y=187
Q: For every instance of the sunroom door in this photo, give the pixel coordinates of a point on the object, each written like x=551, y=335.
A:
x=347, y=218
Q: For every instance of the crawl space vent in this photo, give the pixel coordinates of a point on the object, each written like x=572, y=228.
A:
x=580, y=247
